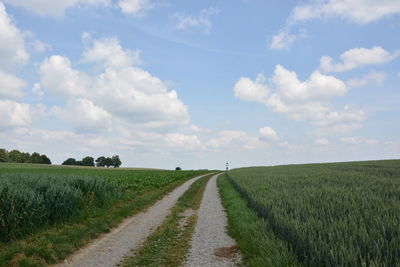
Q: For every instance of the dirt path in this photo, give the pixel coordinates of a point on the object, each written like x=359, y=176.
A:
x=132, y=232
x=211, y=246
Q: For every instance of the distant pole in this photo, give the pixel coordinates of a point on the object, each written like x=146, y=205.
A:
x=227, y=166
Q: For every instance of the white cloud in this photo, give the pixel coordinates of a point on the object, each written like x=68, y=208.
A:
x=297, y=99
x=377, y=78
x=339, y=128
x=202, y=21
x=321, y=142
x=290, y=146
x=135, y=7
x=14, y=114
x=110, y=54
x=247, y=90
x=58, y=77
x=54, y=8
x=84, y=116
x=357, y=57
x=198, y=129
x=357, y=140
x=37, y=90
x=11, y=86
x=358, y=11
x=40, y=46
x=187, y=142
x=268, y=133
x=284, y=39
x=234, y=139
x=12, y=44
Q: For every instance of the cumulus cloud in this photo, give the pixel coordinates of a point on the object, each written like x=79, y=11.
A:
x=135, y=7
x=201, y=21
x=234, y=139
x=377, y=78
x=247, y=90
x=123, y=90
x=322, y=142
x=268, y=133
x=358, y=140
x=284, y=39
x=110, y=54
x=357, y=57
x=187, y=142
x=58, y=76
x=309, y=99
x=12, y=44
x=54, y=8
x=11, y=86
x=358, y=11
x=85, y=116
x=14, y=114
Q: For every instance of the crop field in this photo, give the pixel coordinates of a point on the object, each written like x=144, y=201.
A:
x=336, y=214
x=35, y=199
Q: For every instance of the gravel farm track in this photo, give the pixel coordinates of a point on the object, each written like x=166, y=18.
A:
x=211, y=246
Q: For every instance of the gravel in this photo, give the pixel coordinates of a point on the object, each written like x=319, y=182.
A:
x=210, y=233
x=130, y=234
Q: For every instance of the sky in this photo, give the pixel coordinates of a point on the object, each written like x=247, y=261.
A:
x=197, y=84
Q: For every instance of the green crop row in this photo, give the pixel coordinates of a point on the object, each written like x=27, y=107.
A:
x=29, y=201
x=340, y=214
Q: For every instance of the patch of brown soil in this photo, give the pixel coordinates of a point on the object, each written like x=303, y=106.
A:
x=226, y=252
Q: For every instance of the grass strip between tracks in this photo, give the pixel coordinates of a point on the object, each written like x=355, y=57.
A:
x=257, y=242
x=170, y=243
x=56, y=243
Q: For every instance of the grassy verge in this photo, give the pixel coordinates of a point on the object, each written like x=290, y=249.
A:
x=169, y=244
x=256, y=240
x=55, y=243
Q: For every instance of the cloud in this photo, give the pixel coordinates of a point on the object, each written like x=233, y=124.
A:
x=110, y=54
x=127, y=92
x=377, y=78
x=357, y=11
x=247, y=90
x=12, y=44
x=187, y=142
x=357, y=140
x=11, y=86
x=135, y=7
x=356, y=58
x=284, y=39
x=322, y=142
x=84, y=116
x=198, y=129
x=14, y=114
x=54, y=8
x=309, y=99
x=234, y=139
x=268, y=133
x=201, y=21
x=339, y=128
x=57, y=76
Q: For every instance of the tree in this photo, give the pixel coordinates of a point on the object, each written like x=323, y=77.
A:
x=45, y=159
x=116, y=162
x=101, y=161
x=35, y=158
x=15, y=156
x=3, y=155
x=178, y=169
x=70, y=161
x=88, y=161
x=108, y=162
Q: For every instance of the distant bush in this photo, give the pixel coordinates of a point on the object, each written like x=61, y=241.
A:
x=178, y=169
x=17, y=156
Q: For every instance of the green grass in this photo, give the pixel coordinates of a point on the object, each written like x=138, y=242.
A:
x=170, y=243
x=54, y=240
x=337, y=214
x=257, y=242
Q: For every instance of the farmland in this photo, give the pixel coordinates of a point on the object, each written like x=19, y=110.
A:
x=337, y=214
x=47, y=212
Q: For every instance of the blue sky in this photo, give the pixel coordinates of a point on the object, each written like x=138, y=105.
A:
x=198, y=83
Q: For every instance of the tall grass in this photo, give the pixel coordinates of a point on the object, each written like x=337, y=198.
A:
x=29, y=201
x=342, y=214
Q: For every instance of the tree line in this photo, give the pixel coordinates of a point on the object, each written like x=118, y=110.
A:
x=17, y=156
x=102, y=161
